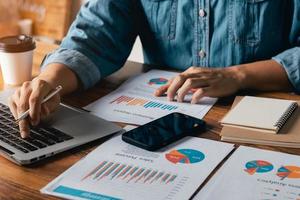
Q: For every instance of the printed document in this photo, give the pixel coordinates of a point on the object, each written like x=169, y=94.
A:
x=117, y=170
x=134, y=102
x=254, y=174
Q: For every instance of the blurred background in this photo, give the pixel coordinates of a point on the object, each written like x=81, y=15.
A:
x=47, y=20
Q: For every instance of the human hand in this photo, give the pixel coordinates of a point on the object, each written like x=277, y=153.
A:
x=202, y=82
x=30, y=96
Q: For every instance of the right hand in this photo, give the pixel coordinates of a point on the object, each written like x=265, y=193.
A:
x=29, y=96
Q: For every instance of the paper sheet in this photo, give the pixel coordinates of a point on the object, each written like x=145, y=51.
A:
x=117, y=170
x=134, y=102
x=254, y=174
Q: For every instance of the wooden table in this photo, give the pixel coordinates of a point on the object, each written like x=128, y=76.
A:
x=25, y=182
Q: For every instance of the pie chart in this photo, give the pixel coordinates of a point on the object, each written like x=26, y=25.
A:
x=258, y=166
x=185, y=156
x=288, y=172
x=158, y=81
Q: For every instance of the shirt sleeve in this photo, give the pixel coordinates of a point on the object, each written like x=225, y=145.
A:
x=99, y=40
x=290, y=59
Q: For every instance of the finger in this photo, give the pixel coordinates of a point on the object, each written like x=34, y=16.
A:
x=53, y=103
x=40, y=90
x=180, y=80
x=22, y=106
x=44, y=112
x=24, y=128
x=14, y=102
x=13, y=107
x=200, y=93
x=189, y=85
x=49, y=107
x=25, y=92
x=175, y=85
x=22, y=102
x=35, y=108
x=163, y=89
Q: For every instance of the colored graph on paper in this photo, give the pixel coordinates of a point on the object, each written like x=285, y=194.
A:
x=133, y=101
x=258, y=166
x=186, y=156
x=107, y=170
x=158, y=81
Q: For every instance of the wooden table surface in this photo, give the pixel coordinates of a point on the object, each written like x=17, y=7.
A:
x=24, y=183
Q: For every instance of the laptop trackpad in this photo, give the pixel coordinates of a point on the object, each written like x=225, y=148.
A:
x=80, y=124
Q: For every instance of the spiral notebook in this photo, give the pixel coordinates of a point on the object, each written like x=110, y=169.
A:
x=258, y=113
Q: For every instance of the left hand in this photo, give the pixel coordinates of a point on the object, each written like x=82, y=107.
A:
x=203, y=82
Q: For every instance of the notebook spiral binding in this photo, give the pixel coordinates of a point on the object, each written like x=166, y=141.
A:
x=286, y=115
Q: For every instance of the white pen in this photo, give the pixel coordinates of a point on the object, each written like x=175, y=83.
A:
x=25, y=114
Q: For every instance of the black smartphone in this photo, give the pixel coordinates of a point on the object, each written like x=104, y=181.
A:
x=164, y=131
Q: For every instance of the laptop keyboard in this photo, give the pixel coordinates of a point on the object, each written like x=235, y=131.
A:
x=40, y=137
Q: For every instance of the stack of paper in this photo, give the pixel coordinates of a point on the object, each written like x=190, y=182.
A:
x=260, y=114
x=288, y=135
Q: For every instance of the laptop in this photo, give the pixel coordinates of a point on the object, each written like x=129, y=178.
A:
x=66, y=128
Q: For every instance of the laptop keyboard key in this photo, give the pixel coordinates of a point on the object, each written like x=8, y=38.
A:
x=50, y=135
x=21, y=149
x=3, y=133
x=4, y=120
x=35, y=142
x=42, y=138
x=27, y=146
x=3, y=139
x=60, y=134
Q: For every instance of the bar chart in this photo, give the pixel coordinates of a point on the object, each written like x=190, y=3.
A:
x=133, y=101
x=111, y=171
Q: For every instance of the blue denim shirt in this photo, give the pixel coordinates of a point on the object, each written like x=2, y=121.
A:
x=180, y=34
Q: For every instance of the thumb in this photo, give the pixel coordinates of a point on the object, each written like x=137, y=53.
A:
x=50, y=106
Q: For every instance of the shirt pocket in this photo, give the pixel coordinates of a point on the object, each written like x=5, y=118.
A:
x=244, y=19
x=162, y=17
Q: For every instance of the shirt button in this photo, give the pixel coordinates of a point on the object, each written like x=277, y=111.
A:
x=202, y=13
x=202, y=54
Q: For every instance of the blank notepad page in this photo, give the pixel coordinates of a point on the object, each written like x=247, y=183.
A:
x=258, y=112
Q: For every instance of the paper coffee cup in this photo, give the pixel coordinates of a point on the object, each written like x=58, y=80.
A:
x=16, y=54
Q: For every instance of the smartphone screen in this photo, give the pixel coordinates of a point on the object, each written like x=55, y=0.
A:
x=163, y=131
